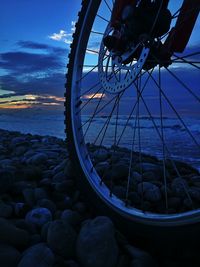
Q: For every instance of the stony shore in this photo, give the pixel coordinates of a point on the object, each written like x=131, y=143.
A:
x=45, y=221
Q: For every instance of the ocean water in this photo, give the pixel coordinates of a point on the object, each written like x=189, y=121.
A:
x=179, y=142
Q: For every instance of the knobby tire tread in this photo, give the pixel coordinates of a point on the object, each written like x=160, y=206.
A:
x=144, y=235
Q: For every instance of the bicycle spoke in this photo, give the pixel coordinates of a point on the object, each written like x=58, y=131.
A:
x=183, y=84
x=176, y=112
x=93, y=115
x=107, y=122
x=103, y=18
x=190, y=55
x=85, y=75
x=92, y=51
x=169, y=154
x=131, y=162
x=139, y=95
x=107, y=6
x=96, y=32
x=119, y=100
x=89, y=90
x=90, y=99
x=185, y=61
x=162, y=138
x=115, y=139
x=131, y=113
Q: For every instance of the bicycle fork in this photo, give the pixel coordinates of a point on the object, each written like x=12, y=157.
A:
x=178, y=37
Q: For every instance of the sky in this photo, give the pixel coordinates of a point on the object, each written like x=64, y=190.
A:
x=34, y=45
x=35, y=39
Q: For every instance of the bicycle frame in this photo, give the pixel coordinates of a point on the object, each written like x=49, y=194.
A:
x=178, y=38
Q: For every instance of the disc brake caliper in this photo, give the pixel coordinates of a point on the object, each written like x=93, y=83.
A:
x=146, y=18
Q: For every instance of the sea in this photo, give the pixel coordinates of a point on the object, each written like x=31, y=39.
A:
x=181, y=143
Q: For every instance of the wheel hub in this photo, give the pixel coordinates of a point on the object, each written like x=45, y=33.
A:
x=132, y=45
x=114, y=63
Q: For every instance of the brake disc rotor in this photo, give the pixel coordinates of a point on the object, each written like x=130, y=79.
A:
x=111, y=64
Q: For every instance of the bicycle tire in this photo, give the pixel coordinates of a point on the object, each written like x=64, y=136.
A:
x=152, y=231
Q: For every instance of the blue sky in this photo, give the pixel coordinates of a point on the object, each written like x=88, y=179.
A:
x=34, y=44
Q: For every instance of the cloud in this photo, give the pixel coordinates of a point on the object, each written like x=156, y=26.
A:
x=32, y=45
x=62, y=36
x=25, y=64
x=58, y=36
x=40, y=46
x=41, y=70
x=52, y=83
x=20, y=63
x=31, y=101
x=73, y=26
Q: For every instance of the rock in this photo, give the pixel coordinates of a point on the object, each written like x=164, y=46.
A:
x=35, y=239
x=18, y=140
x=39, y=216
x=61, y=238
x=20, y=209
x=60, y=167
x=59, y=177
x=32, y=173
x=135, y=178
x=134, y=198
x=71, y=263
x=101, y=154
x=188, y=203
x=9, y=256
x=2, y=149
x=44, y=231
x=147, y=167
x=19, y=151
x=39, y=158
x=179, y=187
x=71, y=217
x=5, y=210
x=6, y=181
x=52, y=154
x=119, y=191
x=120, y=170
x=96, y=244
x=6, y=163
x=195, y=180
x=163, y=190
x=140, y=258
x=9, y=234
x=22, y=224
x=65, y=187
x=146, y=205
x=80, y=207
x=38, y=255
x=47, y=174
x=123, y=261
x=18, y=187
x=28, y=154
x=102, y=167
x=142, y=262
x=151, y=192
x=174, y=202
x=46, y=203
x=40, y=193
x=29, y=198
x=69, y=170
x=150, y=176
x=194, y=193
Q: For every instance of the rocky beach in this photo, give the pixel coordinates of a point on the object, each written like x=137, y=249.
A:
x=46, y=222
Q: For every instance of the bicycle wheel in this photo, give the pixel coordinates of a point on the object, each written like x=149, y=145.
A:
x=132, y=125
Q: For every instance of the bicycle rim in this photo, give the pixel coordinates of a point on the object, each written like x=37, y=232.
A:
x=93, y=120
